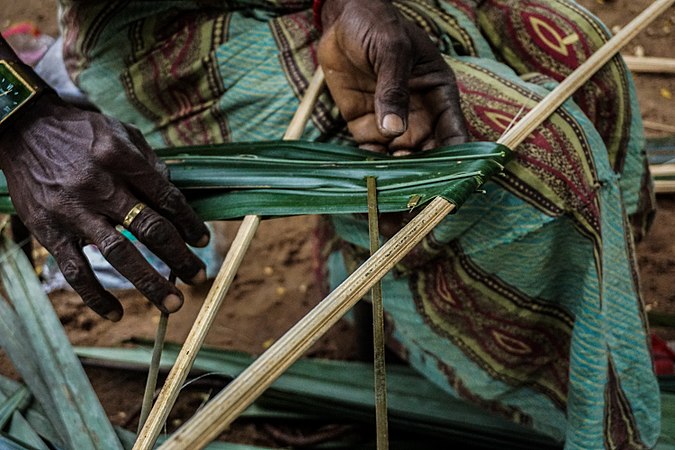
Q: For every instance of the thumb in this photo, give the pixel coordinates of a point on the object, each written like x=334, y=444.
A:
x=393, y=67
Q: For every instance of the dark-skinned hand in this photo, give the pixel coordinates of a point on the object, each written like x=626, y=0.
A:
x=387, y=78
x=73, y=176
x=390, y=83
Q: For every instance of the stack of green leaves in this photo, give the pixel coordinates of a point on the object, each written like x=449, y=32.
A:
x=315, y=389
x=36, y=343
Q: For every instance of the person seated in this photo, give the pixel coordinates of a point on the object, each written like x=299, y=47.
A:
x=526, y=302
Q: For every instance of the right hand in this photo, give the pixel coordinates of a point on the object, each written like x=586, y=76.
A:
x=73, y=175
x=389, y=81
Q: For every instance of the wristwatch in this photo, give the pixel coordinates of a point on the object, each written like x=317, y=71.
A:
x=19, y=87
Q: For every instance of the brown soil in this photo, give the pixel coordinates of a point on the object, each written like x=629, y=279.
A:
x=275, y=286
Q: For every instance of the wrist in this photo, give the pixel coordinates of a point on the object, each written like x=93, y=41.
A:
x=20, y=89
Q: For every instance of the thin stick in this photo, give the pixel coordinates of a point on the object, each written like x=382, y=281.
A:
x=656, y=126
x=153, y=371
x=380, y=373
x=238, y=395
x=664, y=187
x=167, y=397
x=663, y=170
x=650, y=64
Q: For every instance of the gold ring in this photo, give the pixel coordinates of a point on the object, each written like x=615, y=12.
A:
x=131, y=215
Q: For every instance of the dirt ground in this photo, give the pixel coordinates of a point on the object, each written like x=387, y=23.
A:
x=274, y=287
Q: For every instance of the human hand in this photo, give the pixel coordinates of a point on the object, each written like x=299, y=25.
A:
x=73, y=175
x=388, y=80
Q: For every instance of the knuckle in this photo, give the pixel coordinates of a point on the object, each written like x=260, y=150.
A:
x=170, y=199
x=157, y=231
x=112, y=244
x=75, y=273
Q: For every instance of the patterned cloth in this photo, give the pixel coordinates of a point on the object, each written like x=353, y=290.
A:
x=526, y=302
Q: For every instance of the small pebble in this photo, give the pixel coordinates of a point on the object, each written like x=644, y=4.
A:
x=268, y=271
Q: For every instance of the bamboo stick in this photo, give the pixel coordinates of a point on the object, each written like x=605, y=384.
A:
x=648, y=64
x=169, y=393
x=218, y=414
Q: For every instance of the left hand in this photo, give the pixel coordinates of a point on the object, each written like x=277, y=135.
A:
x=389, y=81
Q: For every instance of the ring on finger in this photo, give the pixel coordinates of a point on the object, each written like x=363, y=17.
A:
x=132, y=214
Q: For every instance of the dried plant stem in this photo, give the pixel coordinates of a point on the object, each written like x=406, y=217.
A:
x=656, y=126
x=153, y=372
x=238, y=395
x=664, y=186
x=169, y=393
x=380, y=373
x=648, y=64
x=663, y=170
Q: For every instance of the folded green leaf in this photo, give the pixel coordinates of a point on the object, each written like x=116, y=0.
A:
x=282, y=178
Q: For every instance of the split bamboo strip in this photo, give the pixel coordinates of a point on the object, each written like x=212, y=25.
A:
x=169, y=393
x=218, y=414
x=379, y=368
x=650, y=64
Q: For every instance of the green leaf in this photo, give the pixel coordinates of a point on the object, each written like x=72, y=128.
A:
x=282, y=178
x=41, y=352
x=17, y=401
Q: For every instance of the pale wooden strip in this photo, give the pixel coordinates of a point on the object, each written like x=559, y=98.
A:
x=664, y=187
x=649, y=64
x=655, y=126
x=662, y=170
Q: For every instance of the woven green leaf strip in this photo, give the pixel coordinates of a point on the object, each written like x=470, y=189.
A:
x=283, y=178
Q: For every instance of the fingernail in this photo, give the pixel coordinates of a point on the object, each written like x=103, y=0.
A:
x=199, y=278
x=393, y=124
x=204, y=241
x=172, y=303
x=114, y=316
x=398, y=153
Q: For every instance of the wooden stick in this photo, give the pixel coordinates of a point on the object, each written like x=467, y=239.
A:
x=655, y=126
x=218, y=414
x=380, y=373
x=663, y=170
x=650, y=64
x=664, y=187
x=167, y=397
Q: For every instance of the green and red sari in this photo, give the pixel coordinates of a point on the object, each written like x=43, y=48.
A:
x=527, y=301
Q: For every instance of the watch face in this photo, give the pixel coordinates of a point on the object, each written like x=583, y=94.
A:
x=14, y=91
